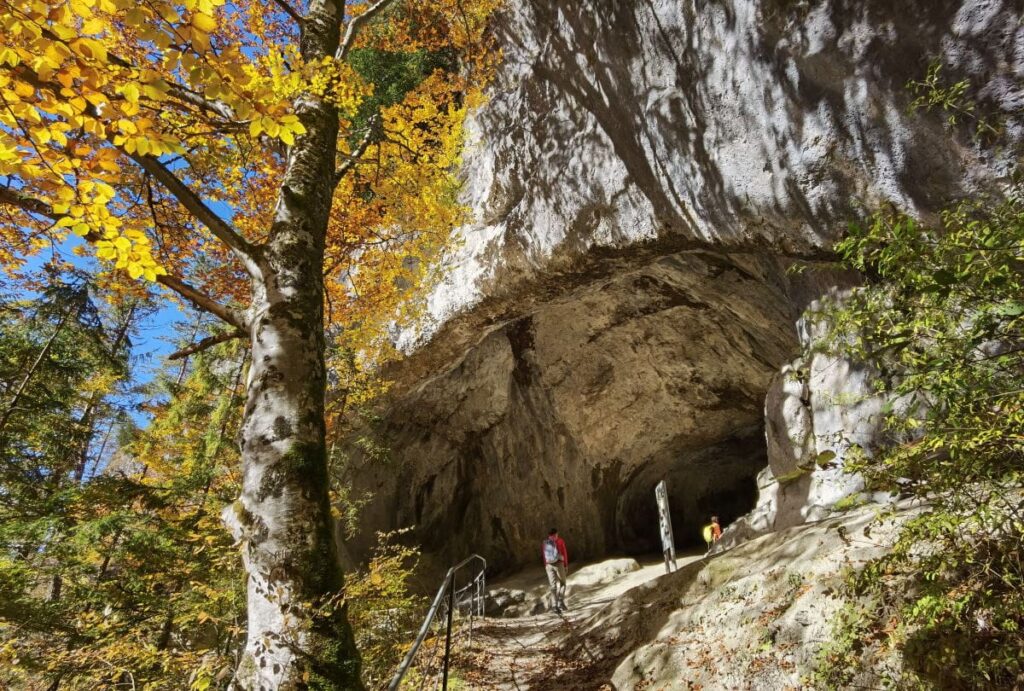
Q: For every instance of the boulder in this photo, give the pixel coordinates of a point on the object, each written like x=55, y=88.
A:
x=602, y=572
x=500, y=600
x=820, y=408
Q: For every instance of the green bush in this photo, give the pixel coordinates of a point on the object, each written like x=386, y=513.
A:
x=942, y=315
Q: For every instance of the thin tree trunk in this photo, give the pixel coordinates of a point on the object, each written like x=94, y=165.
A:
x=16, y=398
x=87, y=420
x=185, y=360
x=105, y=564
x=102, y=450
x=165, y=631
x=210, y=455
x=298, y=633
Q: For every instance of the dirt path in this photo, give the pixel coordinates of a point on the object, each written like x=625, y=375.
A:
x=543, y=651
x=751, y=618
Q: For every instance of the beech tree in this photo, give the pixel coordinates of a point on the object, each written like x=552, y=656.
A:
x=236, y=155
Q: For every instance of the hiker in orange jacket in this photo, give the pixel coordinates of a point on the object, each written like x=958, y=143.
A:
x=716, y=529
x=556, y=563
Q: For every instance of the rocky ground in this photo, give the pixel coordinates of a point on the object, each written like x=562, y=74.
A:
x=753, y=617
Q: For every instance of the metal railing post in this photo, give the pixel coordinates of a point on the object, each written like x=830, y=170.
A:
x=448, y=636
x=447, y=582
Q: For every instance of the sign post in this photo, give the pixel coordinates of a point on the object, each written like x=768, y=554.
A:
x=668, y=545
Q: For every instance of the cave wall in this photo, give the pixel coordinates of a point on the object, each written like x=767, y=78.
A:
x=641, y=177
x=569, y=415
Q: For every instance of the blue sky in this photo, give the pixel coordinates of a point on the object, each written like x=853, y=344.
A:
x=155, y=335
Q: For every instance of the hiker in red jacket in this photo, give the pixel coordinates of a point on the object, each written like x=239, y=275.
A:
x=556, y=562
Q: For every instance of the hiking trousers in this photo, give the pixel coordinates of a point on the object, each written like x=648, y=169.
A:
x=556, y=579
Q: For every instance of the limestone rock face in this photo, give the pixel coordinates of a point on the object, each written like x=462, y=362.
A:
x=642, y=175
x=788, y=422
x=819, y=407
x=760, y=124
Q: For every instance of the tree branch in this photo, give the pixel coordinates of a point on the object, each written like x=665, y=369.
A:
x=197, y=298
x=207, y=343
x=182, y=92
x=289, y=11
x=204, y=301
x=191, y=201
x=189, y=96
x=30, y=204
x=244, y=250
x=354, y=157
x=355, y=24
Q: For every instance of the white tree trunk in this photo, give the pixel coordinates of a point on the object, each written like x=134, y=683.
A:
x=298, y=634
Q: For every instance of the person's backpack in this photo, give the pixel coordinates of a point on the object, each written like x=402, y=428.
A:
x=551, y=554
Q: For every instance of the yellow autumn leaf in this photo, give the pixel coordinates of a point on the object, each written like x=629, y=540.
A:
x=83, y=8
x=200, y=41
x=169, y=14
x=131, y=92
x=95, y=25
x=91, y=48
x=203, y=22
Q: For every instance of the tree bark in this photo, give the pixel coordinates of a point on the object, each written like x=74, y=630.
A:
x=298, y=633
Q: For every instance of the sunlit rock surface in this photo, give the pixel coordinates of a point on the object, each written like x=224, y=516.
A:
x=758, y=123
x=820, y=408
x=642, y=176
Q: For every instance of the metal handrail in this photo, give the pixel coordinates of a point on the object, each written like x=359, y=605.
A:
x=447, y=584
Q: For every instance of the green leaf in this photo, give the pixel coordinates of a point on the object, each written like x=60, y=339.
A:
x=825, y=457
x=1009, y=309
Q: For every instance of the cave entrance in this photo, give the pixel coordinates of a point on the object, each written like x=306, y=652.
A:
x=716, y=480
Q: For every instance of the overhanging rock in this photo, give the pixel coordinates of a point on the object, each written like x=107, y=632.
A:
x=643, y=174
